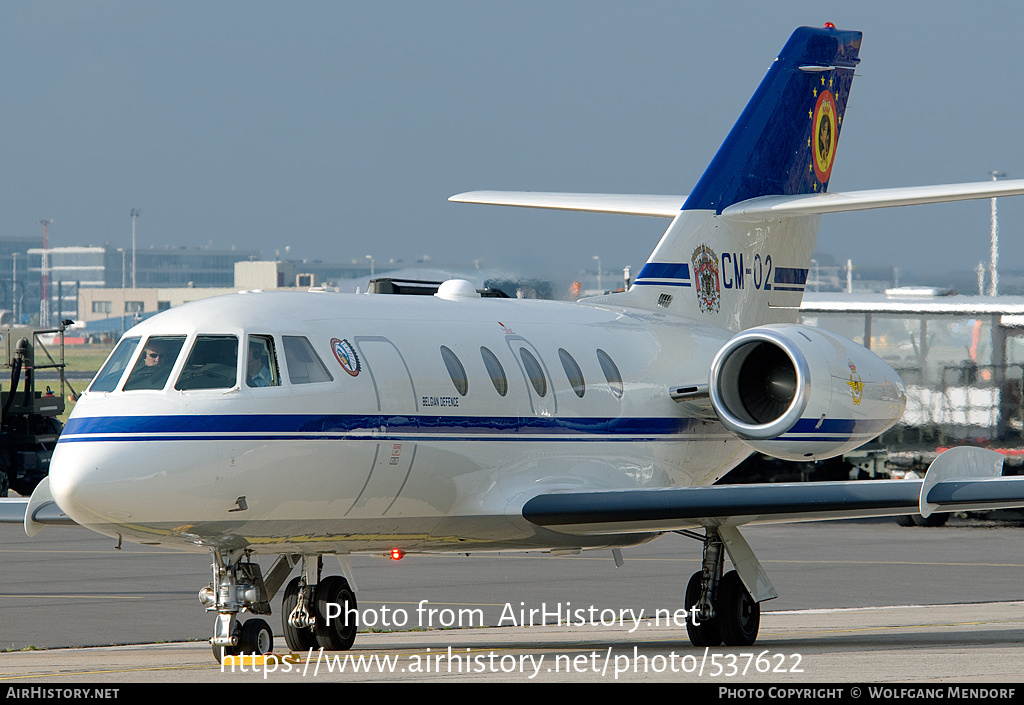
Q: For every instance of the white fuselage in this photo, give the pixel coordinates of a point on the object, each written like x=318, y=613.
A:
x=394, y=455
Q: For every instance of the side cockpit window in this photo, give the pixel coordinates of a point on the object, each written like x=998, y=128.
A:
x=304, y=365
x=261, y=363
x=155, y=361
x=116, y=364
x=212, y=364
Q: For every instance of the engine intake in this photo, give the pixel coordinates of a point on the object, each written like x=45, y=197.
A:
x=798, y=392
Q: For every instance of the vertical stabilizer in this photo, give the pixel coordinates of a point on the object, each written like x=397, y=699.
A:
x=784, y=142
x=740, y=273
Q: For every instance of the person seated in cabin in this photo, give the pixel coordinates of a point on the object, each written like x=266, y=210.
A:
x=258, y=373
x=154, y=364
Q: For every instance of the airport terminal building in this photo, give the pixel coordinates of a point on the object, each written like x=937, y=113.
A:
x=60, y=276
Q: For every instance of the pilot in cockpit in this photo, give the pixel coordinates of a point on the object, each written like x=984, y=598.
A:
x=154, y=364
x=153, y=354
x=258, y=373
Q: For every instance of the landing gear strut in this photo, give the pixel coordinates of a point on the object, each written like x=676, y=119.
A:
x=237, y=585
x=319, y=612
x=720, y=609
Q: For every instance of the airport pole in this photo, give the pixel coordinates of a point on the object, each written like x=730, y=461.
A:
x=994, y=255
x=14, y=286
x=135, y=216
x=44, y=303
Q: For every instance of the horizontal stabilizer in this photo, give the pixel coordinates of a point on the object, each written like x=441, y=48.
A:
x=753, y=209
x=621, y=203
x=820, y=203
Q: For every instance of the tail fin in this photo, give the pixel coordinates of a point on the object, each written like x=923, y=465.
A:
x=784, y=142
x=748, y=272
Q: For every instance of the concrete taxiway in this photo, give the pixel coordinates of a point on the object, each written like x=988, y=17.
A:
x=965, y=643
x=859, y=601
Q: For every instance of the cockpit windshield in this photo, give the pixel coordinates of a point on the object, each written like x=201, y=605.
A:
x=212, y=364
x=110, y=375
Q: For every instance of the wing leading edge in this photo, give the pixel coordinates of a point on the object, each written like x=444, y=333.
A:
x=960, y=479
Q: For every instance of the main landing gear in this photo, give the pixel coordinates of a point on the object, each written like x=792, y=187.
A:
x=720, y=609
x=318, y=612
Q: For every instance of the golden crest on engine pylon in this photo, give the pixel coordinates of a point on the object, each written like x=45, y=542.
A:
x=856, y=384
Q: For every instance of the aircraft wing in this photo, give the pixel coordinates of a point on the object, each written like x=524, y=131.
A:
x=961, y=479
x=34, y=512
x=12, y=510
x=621, y=203
x=820, y=203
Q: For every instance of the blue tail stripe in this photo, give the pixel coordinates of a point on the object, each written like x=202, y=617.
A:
x=664, y=270
x=790, y=275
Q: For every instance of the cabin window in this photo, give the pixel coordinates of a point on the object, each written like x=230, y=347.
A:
x=534, y=371
x=495, y=370
x=304, y=365
x=155, y=362
x=611, y=372
x=114, y=367
x=455, y=370
x=572, y=372
x=212, y=364
x=261, y=363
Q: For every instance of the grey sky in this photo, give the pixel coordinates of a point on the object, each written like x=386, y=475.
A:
x=340, y=128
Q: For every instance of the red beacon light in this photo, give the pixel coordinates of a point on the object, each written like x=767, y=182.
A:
x=397, y=554
x=829, y=25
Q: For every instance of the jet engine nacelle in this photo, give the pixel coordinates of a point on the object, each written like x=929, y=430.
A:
x=801, y=393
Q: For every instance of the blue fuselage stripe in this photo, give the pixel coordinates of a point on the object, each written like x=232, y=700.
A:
x=379, y=427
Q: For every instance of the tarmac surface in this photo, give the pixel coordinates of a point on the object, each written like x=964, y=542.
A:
x=865, y=602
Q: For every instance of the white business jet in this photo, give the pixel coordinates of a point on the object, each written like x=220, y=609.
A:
x=299, y=425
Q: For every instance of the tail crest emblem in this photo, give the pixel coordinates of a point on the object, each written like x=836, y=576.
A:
x=826, y=129
x=705, y=274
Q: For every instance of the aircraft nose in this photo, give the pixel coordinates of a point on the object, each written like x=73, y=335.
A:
x=128, y=488
x=81, y=483
x=101, y=483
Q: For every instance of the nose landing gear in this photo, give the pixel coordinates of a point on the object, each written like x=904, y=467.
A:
x=318, y=612
x=237, y=586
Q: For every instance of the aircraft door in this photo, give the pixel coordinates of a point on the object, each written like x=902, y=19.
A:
x=396, y=401
x=535, y=375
